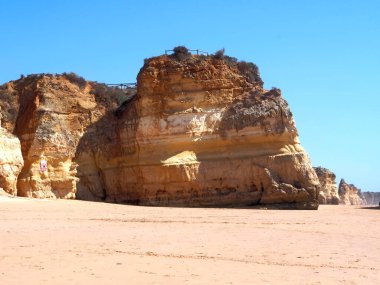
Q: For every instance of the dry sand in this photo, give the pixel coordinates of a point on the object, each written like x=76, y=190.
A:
x=76, y=242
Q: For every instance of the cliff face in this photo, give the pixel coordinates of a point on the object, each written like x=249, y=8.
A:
x=200, y=132
x=349, y=194
x=11, y=161
x=49, y=114
x=329, y=191
x=371, y=198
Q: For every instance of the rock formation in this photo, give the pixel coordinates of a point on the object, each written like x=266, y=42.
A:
x=49, y=114
x=371, y=198
x=329, y=191
x=349, y=194
x=201, y=131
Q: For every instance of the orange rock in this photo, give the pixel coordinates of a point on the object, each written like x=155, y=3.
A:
x=200, y=132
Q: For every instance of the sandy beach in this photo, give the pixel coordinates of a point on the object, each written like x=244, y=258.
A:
x=76, y=242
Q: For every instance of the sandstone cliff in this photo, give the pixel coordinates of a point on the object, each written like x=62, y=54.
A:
x=201, y=131
x=349, y=194
x=329, y=191
x=371, y=198
x=49, y=114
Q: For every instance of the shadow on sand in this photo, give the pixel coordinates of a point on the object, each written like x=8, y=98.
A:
x=374, y=207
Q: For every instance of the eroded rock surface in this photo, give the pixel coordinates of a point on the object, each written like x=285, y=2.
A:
x=200, y=132
x=49, y=114
x=329, y=190
x=349, y=194
x=11, y=161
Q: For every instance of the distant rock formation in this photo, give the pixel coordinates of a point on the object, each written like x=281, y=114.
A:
x=201, y=131
x=329, y=191
x=372, y=198
x=349, y=194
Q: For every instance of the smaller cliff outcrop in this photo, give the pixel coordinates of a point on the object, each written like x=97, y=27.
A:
x=372, y=198
x=49, y=114
x=349, y=194
x=329, y=191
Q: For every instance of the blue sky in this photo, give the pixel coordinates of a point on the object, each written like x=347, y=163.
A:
x=324, y=55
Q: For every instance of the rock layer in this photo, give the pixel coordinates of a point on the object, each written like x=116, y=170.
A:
x=200, y=132
x=349, y=194
x=329, y=191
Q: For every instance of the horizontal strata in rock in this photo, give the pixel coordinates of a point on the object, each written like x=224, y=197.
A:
x=199, y=133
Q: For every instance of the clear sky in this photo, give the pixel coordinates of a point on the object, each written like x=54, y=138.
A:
x=324, y=55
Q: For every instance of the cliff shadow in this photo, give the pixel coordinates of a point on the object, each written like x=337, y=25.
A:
x=103, y=142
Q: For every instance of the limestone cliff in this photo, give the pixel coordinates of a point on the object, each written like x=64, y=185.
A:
x=329, y=191
x=349, y=194
x=201, y=131
x=371, y=198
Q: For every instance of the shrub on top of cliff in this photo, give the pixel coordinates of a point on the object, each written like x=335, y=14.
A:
x=219, y=54
x=104, y=92
x=180, y=53
x=231, y=61
x=75, y=79
x=250, y=71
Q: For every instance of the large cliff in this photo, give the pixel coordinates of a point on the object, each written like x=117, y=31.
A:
x=349, y=194
x=329, y=191
x=201, y=131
